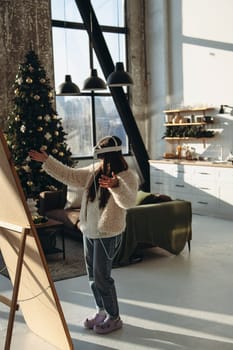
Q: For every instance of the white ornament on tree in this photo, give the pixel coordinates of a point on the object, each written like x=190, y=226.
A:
x=32, y=206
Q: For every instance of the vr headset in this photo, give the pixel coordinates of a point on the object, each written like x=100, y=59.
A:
x=99, y=150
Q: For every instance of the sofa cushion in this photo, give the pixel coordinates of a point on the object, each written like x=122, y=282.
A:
x=52, y=200
x=70, y=217
x=156, y=198
x=141, y=196
x=74, y=197
x=150, y=198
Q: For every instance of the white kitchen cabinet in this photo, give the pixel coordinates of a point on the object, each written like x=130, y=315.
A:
x=208, y=187
x=225, y=203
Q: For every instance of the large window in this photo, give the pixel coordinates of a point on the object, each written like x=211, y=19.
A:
x=88, y=116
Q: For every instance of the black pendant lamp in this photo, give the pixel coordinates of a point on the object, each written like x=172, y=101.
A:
x=119, y=77
x=93, y=82
x=68, y=87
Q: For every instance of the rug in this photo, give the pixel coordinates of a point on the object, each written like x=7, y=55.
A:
x=72, y=266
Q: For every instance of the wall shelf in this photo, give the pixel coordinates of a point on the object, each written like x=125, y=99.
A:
x=202, y=110
x=191, y=124
x=186, y=138
x=184, y=124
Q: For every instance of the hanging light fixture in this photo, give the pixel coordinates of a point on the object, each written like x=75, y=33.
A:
x=93, y=82
x=119, y=77
x=68, y=87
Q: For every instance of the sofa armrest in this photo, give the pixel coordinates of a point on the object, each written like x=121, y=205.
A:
x=50, y=200
x=167, y=224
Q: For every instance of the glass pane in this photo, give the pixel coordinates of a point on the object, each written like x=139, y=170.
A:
x=108, y=121
x=68, y=10
x=71, y=55
x=114, y=10
x=77, y=122
x=65, y=10
x=116, y=46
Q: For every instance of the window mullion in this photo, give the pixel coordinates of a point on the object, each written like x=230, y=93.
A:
x=93, y=114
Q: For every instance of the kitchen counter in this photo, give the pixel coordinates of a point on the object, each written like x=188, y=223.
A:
x=216, y=163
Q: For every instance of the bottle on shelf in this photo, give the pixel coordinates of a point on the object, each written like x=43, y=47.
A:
x=193, y=153
x=178, y=151
x=188, y=154
x=183, y=151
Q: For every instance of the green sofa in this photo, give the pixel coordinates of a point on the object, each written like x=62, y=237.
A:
x=166, y=224
x=156, y=220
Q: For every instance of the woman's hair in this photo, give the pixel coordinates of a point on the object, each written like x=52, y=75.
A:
x=113, y=162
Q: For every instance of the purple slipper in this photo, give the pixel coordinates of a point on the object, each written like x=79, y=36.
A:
x=108, y=325
x=94, y=321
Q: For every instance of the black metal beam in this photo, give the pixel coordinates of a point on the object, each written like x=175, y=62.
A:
x=99, y=45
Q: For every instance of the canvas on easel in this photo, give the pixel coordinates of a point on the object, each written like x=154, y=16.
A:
x=26, y=264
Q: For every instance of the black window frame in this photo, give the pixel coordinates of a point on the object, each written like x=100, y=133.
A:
x=92, y=94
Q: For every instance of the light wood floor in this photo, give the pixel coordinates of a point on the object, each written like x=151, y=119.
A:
x=167, y=302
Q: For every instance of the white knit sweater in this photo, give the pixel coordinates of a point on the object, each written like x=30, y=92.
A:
x=94, y=222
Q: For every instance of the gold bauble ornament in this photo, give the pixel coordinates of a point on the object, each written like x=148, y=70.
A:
x=40, y=129
x=42, y=80
x=50, y=94
x=36, y=97
x=47, y=118
x=61, y=154
x=16, y=92
x=27, y=168
x=29, y=80
x=29, y=183
x=43, y=148
x=17, y=118
x=39, y=117
x=56, y=133
x=54, y=151
x=48, y=136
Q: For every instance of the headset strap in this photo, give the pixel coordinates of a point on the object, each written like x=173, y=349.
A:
x=107, y=149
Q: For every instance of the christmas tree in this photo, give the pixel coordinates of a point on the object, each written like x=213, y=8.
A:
x=34, y=124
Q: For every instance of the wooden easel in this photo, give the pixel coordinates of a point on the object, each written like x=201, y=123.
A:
x=33, y=288
x=13, y=303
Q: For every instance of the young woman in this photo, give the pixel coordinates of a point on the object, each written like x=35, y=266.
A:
x=109, y=189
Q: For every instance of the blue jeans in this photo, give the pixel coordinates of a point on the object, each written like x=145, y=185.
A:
x=99, y=254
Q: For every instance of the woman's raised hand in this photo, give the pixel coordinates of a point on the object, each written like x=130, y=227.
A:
x=38, y=156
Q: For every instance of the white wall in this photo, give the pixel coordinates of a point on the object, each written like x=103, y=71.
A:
x=190, y=61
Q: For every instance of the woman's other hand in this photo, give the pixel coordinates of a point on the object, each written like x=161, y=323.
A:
x=108, y=182
x=38, y=156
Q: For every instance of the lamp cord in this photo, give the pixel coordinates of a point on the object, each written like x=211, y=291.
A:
x=91, y=41
x=65, y=33
x=118, y=24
